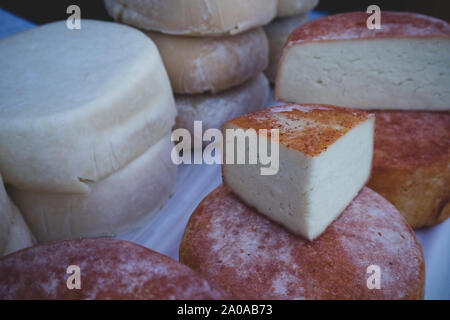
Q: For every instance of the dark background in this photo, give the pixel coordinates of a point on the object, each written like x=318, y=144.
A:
x=43, y=11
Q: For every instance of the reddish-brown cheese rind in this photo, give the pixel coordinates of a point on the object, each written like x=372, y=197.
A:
x=353, y=26
x=322, y=125
x=411, y=164
x=253, y=258
x=110, y=269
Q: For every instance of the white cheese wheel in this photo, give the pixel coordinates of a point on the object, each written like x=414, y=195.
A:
x=14, y=232
x=214, y=110
x=77, y=105
x=294, y=7
x=193, y=17
x=116, y=204
x=198, y=65
x=278, y=32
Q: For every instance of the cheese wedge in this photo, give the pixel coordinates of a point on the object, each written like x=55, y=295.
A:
x=14, y=232
x=194, y=17
x=337, y=60
x=325, y=158
x=78, y=105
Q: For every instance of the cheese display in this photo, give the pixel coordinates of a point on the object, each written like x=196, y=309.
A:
x=252, y=258
x=214, y=110
x=99, y=269
x=194, y=17
x=325, y=158
x=278, y=32
x=78, y=105
x=119, y=203
x=295, y=7
x=337, y=60
x=199, y=65
x=14, y=232
x=412, y=164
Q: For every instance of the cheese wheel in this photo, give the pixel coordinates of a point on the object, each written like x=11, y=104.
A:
x=122, y=201
x=198, y=65
x=108, y=270
x=193, y=17
x=14, y=232
x=338, y=60
x=294, y=7
x=78, y=105
x=278, y=32
x=412, y=164
x=214, y=110
x=252, y=258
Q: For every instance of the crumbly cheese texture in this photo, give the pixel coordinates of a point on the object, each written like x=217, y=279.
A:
x=14, y=232
x=295, y=7
x=79, y=105
x=194, y=17
x=215, y=109
x=199, y=65
x=325, y=158
x=277, y=33
x=121, y=202
x=338, y=60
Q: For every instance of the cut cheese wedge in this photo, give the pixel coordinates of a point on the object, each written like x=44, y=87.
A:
x=78, y=105
x=194, y=17
x=325, y=158
x=14, y=232
x=337, y=60
x=119, y=203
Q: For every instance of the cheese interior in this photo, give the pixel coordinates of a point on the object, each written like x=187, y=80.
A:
x=308, y=193
x=402, y=74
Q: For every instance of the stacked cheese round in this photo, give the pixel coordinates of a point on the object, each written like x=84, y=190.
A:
x=85, y=115
x=14, y=232
x=214, y=51
x=99, y=269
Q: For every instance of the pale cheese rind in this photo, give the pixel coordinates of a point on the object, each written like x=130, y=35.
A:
x=119, y=203
x=78, y=105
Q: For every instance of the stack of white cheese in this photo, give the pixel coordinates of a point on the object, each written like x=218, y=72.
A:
x=85, y=122
x=291, y=14
x=214, y=51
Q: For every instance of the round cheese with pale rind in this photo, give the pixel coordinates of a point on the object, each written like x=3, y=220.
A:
x=78, y=105
x=119, y=203
x=253, y=258
x=194, y=17
x=199, y=65
x=295, y=7
x=14, y=232
x=108, y=270
x=215, y=109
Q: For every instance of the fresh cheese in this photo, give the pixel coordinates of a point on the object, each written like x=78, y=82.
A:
x=295, y=7
x=119, y=203
x=199, y=65
x=325, y=158
x=14, y=232
x=338, y=60
x=77, y=105
x=194, y=17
